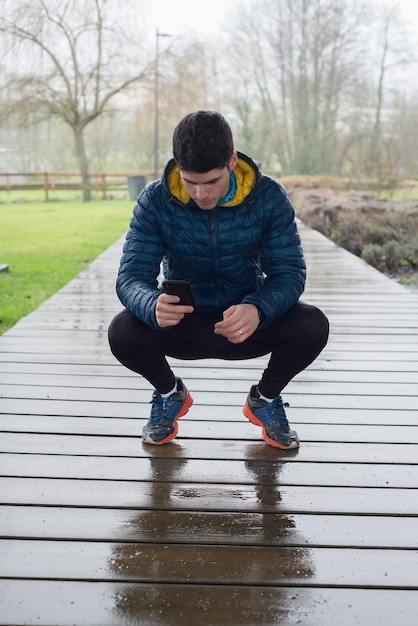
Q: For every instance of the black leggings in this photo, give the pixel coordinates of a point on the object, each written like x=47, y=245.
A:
x=294, y=341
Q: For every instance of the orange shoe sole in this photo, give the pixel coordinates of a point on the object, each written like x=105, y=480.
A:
x=188, y=401
x=254, y=420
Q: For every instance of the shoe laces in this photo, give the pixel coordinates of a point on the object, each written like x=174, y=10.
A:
x=160, y=408
x=274, y=413
x=157, y=410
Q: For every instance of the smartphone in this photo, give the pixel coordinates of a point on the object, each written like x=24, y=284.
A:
x=181, y=288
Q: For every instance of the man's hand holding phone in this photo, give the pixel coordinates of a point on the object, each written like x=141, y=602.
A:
x=174, y=304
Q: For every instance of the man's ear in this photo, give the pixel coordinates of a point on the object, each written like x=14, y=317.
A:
x=233, y=161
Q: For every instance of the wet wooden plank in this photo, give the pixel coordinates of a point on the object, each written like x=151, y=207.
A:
x=202, y=564
x=210, y=528
x=207, y=449
x=271, y=471
x=208, y=497
x=107, y=604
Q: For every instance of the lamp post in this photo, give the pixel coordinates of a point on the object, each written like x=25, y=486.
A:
x=156, y=95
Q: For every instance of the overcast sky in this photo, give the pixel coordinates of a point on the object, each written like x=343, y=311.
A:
x=179, y=16
x=184, y=15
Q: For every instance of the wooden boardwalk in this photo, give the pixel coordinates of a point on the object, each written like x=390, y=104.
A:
x=216, y=528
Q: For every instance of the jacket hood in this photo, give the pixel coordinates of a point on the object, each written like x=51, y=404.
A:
x=246, y=174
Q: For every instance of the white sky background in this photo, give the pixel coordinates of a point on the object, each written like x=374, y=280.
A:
x=177, y=17
x=408, y=9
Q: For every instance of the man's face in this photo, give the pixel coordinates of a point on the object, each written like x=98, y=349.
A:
x=208, y=188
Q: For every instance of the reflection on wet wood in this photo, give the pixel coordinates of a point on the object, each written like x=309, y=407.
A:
x=323, y=452
x=247, y=565
x=207, y=496
x=108, y=604
x=290, y=471
x=208, y=527
x=98, y=529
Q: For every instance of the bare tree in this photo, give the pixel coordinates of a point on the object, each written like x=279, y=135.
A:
x=74, y=57
x=391, y=53
x=188, y=81
x=306, y=56
x=407, y=129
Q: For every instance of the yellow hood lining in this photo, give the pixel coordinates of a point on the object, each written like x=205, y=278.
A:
x=245, y=175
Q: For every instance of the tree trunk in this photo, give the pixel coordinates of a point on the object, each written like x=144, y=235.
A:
x=83, y=163
x=376, y=139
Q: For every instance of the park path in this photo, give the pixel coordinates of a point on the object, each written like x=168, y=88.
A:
x=216, y=528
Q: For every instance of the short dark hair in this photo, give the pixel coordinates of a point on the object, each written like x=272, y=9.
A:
x=202, y=141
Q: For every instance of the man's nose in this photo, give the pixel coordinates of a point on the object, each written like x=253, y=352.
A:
x=201, y=192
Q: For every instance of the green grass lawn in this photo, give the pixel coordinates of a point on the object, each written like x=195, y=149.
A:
x=399, y=194
x=46, y=244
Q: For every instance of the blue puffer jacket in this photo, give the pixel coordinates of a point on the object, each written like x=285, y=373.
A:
x=246, y=250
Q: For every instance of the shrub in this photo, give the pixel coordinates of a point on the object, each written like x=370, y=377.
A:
x=388, y=256
x=378, y=233
x=313, y=182
x=411, y=251
x=349, y=236
x=393, y=254
x=373, y=255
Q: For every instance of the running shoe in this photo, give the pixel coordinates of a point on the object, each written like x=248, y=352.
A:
x=162, y=425
x=271, y=417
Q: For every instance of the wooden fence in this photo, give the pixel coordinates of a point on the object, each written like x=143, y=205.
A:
x=109, y=184
x=101, y=182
